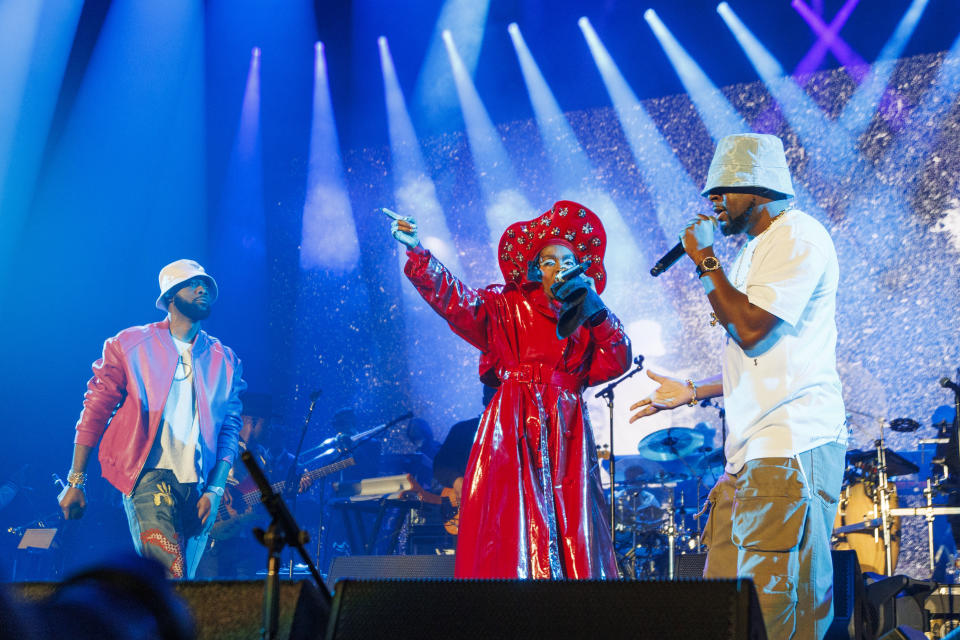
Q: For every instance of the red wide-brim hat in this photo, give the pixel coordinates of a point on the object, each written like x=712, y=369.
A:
x=569, y=224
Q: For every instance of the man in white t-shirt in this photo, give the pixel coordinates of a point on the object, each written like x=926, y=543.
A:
x=163, y=407
x=773, y=508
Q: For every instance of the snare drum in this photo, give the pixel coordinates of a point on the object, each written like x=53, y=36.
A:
x=859, y=503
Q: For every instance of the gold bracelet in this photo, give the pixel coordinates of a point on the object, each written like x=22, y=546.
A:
x=692, y=385
x=77, y=479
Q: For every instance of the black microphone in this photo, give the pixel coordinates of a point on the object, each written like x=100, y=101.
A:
x=947, y=383
x=572, y=272
x=668, y=260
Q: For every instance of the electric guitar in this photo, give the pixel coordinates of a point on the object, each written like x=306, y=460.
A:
x=231, y=519
x=451, y=496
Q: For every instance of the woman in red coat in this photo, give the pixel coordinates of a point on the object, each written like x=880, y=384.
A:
x=532, y=504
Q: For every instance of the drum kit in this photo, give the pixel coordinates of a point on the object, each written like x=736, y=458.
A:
x=658, y=492
x=656, y=498
x=869, y=514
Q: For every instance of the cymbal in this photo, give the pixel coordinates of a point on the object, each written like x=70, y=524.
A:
x=658, y=479
x=670, y=444
x=707, y=459
x=897, y=465
x=904, y=425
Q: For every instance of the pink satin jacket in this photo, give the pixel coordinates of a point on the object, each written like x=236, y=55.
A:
x=124, y=401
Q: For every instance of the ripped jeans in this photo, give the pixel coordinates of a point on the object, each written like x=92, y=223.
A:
x=772, y=522
x=162, y=514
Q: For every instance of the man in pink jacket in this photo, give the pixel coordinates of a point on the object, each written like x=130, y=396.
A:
x=164, y=407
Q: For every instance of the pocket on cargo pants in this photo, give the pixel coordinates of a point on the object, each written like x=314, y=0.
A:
x=769, y=514
x=770, y=505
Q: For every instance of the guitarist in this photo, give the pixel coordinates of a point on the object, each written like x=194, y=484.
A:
x=233, y=551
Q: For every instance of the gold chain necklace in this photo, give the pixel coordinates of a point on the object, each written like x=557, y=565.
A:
x=737, y=282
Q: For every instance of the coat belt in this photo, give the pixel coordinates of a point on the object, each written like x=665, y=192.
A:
x=528, y=373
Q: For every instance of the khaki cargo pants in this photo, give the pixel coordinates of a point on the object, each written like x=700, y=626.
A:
x=771, y=522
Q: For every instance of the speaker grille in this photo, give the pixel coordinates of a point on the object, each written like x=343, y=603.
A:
x=704, y=609
x=377, y=567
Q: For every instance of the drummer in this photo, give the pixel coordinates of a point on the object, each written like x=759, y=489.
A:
x=773, y=509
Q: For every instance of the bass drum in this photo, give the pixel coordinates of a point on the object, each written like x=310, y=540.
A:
x=857, y=505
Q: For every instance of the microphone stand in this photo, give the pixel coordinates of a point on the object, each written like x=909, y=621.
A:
x=607, y=394
x=291, y=486
x=340, y=445
x=283, y=531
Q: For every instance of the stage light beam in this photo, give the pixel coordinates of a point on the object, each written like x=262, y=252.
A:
x=434, y=98
x=715, y=110
x=329, y=235
x=575, y=176
x=828, y=38
x=832, y=149
x=858, y=111
x=495, y=172
x=414, y=189
x=673, y=192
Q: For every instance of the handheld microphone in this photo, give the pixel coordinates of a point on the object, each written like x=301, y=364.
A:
x=668, y=260
x=572, y=272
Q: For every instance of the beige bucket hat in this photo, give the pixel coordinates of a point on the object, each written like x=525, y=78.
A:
x=749, y=160
x=178, y=272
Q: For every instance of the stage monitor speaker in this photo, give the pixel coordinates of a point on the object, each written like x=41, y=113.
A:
x=374, y=567
x=849, y=601
x=903, y=633
x=691, y=565
x=548, y=609
x=230, y=609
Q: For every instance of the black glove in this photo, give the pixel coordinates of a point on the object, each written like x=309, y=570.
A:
x=578, y=303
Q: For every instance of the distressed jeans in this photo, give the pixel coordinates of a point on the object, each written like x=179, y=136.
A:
x=162, y=514
x=772, y=522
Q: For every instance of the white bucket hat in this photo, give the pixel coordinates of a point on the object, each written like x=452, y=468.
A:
x=179, y=272
x=749, y=160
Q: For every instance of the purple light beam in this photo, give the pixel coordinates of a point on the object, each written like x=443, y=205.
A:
x=828, y=38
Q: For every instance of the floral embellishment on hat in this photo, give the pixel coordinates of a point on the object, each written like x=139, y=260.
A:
x=583, y=233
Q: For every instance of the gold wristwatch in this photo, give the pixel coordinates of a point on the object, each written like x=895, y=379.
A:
x=709, y=264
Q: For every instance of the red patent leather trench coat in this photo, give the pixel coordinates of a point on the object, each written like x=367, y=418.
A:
x=532, y=504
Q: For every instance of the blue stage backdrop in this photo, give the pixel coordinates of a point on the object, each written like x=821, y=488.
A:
x=883, y=175
x=891, y=200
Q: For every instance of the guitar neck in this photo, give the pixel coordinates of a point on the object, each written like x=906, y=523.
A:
x=252, y=497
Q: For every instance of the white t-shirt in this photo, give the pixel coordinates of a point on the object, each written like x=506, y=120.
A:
x=176, y=446
x=783, y=397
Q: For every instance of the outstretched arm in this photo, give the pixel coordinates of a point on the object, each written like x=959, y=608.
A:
x=673, y=393
x=462, y=307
